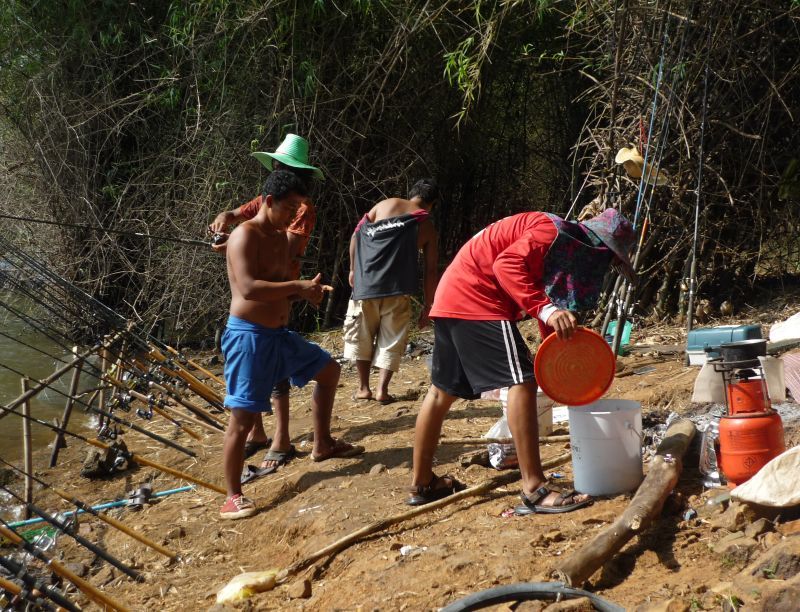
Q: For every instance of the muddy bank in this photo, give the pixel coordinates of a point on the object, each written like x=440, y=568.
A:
x=422, y=564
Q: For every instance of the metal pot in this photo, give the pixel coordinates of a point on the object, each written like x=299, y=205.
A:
x=744, y=353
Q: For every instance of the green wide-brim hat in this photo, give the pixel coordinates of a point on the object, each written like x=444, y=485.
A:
x=293, y=151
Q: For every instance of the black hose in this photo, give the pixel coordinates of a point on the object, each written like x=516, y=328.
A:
x=526, y=591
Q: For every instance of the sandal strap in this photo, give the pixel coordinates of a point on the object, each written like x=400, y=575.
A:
x=538, y=495
x=422, y=489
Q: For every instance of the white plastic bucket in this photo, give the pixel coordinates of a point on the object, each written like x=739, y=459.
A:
x=544, y=410
x=606, y=446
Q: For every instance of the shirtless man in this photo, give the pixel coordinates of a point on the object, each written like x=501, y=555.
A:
x=259, y=350
x=292, y=156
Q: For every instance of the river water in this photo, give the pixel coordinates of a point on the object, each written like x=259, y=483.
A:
x=39, y=360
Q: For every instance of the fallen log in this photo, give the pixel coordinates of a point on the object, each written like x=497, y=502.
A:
x=661, y=478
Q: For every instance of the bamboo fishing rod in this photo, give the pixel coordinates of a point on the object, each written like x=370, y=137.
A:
x=17, y=570
x=103, y=517
x=88, y=589
x=196, y=385
x=129, y=455
x=163, y=468
x=116, y=419
x=65, y=528
x=200, y=412
x=195, y=365
x=152, y=403
x=34, y=596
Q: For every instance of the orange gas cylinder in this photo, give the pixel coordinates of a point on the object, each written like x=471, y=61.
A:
x=747, y=442
x=747, y=396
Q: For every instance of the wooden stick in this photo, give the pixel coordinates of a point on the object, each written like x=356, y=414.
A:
x=481, y=441
x=163, y=468
x=47, y=381
x=27, y=449
x=89, y=590
x=644, y=507
x=103, y=369
x=347, y=541
x=59, y=441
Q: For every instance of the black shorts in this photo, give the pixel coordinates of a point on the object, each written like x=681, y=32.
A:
x=470, y=357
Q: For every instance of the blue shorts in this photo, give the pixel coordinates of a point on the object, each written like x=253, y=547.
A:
x=257, y=357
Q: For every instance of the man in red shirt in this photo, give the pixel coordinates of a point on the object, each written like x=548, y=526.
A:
x=291, y=155
x=533, y=264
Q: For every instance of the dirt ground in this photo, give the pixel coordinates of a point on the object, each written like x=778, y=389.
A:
x=455, y=551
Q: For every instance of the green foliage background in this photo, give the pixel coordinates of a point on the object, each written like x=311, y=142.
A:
x=141, y=116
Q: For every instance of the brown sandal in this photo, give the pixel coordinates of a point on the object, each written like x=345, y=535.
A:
x=431, y=492
x=531, y=505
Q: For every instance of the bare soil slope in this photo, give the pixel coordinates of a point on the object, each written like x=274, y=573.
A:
x=455, y=551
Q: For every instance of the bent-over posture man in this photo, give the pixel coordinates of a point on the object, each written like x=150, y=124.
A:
x=531, y=263
x=259, y=350
x=383, y=275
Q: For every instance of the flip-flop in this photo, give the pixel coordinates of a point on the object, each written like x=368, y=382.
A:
x=530, y=505
x=251, y=472
x=280, y=457
x=386, y=400
x=341, y=450
x=251, y=447
x=430, y=493
x=361, y=399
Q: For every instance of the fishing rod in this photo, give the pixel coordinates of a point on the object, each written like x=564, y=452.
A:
x=127, y=454
x=66, y=528
x=153, y=404
x=94, y=228
x=109, y=415
x=103, y=517
x=89, y=590
x=172, y=368
x=32, y=596
x=32, y=584
x=693, y=268
x=624, y=306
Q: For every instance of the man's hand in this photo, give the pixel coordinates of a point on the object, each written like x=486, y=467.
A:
x=564, y=322
x=351, y=278
x=313, y=290
x=221, y=223
x=219, y=230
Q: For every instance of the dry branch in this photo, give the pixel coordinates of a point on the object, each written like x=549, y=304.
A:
x=480, y=441
x=644, y=507
x=347, y=541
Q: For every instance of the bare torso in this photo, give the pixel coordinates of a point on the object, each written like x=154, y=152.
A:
x=269, y=261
